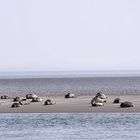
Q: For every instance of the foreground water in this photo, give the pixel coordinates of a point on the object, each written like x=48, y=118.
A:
x=65, y=126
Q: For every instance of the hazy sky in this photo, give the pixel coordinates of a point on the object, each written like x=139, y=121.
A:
x=69, y=35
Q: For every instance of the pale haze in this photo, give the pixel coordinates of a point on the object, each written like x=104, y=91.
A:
x=45, y=35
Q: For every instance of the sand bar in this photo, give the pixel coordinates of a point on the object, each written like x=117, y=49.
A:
x=81, y=104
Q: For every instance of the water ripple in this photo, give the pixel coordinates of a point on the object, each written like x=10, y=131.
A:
x=70, y=126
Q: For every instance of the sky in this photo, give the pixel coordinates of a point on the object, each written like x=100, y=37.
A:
x=69, y=35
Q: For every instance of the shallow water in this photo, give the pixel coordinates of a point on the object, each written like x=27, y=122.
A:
x=79, y=86
x=70, y=126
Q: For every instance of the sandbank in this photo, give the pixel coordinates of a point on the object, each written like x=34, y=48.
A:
x=81, y=104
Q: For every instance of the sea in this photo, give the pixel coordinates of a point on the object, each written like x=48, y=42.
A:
x=69, y=126
x=59, y=83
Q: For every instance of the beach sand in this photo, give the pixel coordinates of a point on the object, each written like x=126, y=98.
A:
x=81, y=104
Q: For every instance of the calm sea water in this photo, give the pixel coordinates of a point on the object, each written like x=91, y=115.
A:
x=88, y=126
x=79, y=86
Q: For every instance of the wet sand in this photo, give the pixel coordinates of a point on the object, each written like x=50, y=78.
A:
x=81, y=104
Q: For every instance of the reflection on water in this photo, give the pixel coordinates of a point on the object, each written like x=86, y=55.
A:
x=68, y=126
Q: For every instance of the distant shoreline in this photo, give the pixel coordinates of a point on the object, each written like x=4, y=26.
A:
x=63, y=77
x=66, y=74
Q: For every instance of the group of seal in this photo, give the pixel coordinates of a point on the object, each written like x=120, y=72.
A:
x=29, y=98
x=123, y=104
x=99, y=100
x=32, y=98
